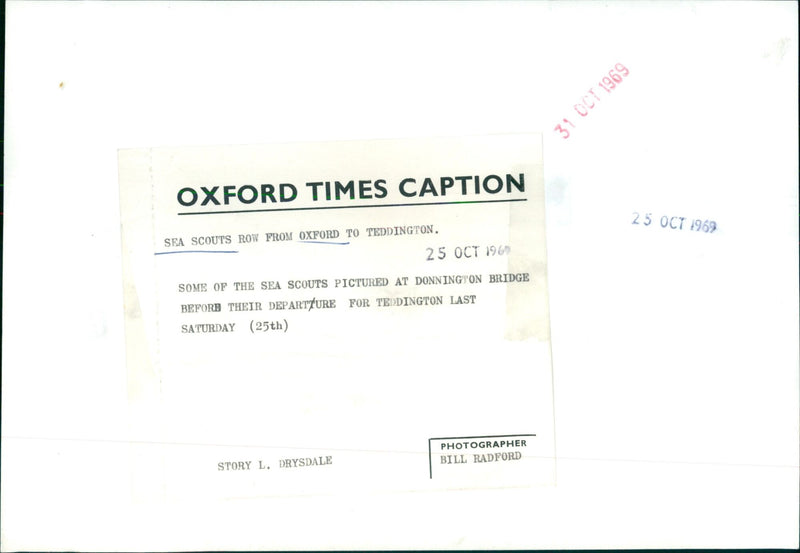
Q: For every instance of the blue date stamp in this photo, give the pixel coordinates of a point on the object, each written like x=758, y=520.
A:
x=674, y=222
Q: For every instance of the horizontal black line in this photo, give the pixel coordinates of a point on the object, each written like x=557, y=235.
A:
x=350, y=206
x=479, y=437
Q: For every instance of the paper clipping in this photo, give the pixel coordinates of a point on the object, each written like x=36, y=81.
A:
x=312, y=318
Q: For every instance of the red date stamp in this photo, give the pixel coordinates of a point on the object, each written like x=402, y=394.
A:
x=589, y=101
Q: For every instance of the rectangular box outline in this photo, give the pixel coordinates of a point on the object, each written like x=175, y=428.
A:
x=430, y=463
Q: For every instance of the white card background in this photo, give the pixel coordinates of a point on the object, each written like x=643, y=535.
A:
x=675, y=353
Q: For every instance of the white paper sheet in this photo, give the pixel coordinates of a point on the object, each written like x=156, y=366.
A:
x=374, y=320
x=674, y=346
